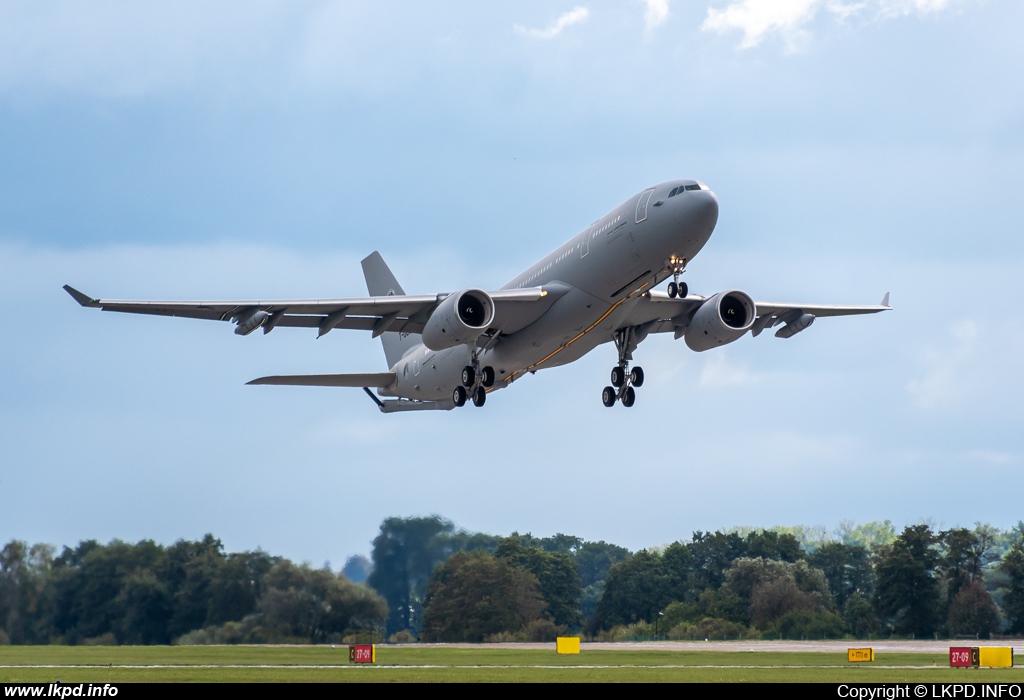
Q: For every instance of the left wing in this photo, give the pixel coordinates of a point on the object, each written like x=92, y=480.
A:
x=381, y=314
x=656, y=312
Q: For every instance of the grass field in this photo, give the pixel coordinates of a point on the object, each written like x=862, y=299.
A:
x=476, y=664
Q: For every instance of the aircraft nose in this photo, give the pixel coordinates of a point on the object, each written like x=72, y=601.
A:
x=709, y=209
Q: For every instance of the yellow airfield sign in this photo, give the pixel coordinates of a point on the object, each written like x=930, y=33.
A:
x=864, y=654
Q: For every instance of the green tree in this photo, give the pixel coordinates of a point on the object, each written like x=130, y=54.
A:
x=190, y=568
x=961, y=560
x=806, y=624
x=593, y=560
x=87, y=584
x=679, y=568
x=556, y=571
x=907, y=592
x=859, y=616
x=357, y=568
x=1012, y=569
x=769, y=589
x=561, y=544
x=144, y=608
x=713, y=554
x=973, y=612
x=405, y=554
x=875, y=534
x=24, y=578
x=636, y=590
x=234, y=588
x=770, y=544
x=473, y=596
x=316, y=605
x=847, y=568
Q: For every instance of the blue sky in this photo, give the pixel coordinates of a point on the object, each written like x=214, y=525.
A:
x=262, y=149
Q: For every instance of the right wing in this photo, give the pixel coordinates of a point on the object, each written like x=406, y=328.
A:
x=379, y=314
x=656, y=312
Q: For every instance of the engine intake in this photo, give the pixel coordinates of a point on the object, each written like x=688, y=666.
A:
x=459, y=319
x=723, y=318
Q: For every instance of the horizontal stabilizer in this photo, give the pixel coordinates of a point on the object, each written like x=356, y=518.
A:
x=379, y=379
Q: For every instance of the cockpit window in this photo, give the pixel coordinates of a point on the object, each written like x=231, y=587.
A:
x=683, y=188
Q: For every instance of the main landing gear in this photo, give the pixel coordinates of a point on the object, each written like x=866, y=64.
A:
x=624, y=380
x=675, y=287
x=475, y=383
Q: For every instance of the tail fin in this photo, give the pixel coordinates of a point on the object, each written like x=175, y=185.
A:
x=380, y=282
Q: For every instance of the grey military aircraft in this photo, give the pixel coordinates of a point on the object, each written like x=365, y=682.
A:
x=445, y=349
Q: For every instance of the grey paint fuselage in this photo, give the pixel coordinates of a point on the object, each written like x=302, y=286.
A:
x=600, y=273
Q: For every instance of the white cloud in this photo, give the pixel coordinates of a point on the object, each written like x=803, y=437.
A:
x=845, y=10
x=566, y=19
x=656, y=13
x=787, y=19
x=901, y=8
x=759, y=18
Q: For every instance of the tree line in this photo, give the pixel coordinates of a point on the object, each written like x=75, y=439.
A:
x=427, y=580
x=190, y=592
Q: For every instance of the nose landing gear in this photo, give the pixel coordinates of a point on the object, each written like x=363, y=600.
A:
x=675, y=287
x=623, y=379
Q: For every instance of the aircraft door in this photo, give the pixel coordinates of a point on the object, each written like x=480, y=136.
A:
x=641, y=205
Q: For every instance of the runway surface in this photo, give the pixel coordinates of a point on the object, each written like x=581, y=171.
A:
x=929, y=646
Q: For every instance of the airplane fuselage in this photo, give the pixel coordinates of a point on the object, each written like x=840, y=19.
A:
x=599, y=274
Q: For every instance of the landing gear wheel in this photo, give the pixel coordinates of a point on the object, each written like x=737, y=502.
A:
x=628, y=397
x=618, y=376
x=479, y=396
x=673, y=290
x=636, y=377
x=487, y=377
x=608, y=396
x=468, y=376
x=683, y=290
x=459, y=396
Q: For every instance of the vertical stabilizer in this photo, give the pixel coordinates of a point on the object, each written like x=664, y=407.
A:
x=380, y=282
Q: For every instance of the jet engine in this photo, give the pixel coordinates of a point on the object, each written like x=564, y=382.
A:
x=459, y=319
x=721, y=319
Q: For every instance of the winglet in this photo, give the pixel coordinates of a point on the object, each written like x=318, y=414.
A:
x=885, y=299
x=82, y=299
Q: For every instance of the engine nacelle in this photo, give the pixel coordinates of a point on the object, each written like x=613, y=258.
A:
x=250, y=321
x=721, y=319
x=460, y=319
